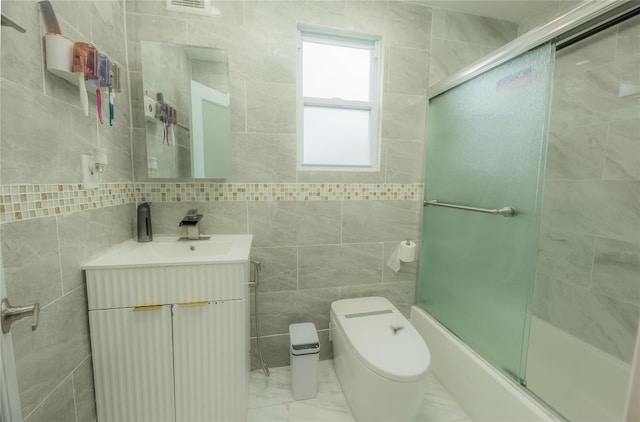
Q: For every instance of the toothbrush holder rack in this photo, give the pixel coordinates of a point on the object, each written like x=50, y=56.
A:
x=59, y=60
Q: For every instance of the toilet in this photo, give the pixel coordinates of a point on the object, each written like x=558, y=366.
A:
x=380, y=359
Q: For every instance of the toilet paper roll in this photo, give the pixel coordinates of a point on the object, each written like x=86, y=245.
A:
x=394, y=260
x=404, y=252
x=407, y=251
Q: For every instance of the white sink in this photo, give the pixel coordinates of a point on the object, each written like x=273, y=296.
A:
x=193, y=248
x=166, y=251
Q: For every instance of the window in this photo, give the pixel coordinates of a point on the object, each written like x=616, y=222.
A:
x=339, y=92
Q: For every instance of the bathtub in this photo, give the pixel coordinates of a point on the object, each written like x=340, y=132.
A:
x=484, y=393
x=581, y=381
x=563, y=370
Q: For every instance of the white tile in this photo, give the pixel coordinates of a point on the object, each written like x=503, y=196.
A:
x=275, y=413
x=270, y=399
x=274, y=390
x=328, y=384
x=332, y=407
x=438, y=404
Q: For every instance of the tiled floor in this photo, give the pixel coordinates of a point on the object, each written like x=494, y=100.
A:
x=270, y=399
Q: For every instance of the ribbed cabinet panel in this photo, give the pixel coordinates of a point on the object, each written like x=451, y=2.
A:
x=133, y=364
x=210, y=361
x=157, y=285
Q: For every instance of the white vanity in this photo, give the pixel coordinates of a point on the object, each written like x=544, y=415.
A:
x=169, y=323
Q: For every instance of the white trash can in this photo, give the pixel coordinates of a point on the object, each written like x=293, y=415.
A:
x=305, y=353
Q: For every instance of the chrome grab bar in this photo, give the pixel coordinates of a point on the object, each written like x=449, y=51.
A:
x=505, y=211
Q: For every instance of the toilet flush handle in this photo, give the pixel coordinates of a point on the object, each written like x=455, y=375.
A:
x=396, y=329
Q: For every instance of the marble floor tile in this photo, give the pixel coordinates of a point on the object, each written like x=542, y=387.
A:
x=277, y=413
x=329, y=408
x=438, y=404
x=270, y=399
x=274, y=390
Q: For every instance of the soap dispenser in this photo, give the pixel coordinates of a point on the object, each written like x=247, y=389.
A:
x=145, y=231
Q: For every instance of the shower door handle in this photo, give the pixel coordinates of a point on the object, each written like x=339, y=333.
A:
x=505, y=211
x=9, y=313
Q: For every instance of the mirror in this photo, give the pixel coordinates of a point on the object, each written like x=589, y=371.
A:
x=187, y=111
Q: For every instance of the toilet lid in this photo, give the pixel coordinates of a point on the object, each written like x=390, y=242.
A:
x=386, y=343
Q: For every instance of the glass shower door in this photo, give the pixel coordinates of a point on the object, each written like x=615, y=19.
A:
x=586, y=304
x=485, y=148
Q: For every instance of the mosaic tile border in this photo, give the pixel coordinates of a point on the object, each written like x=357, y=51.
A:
x=206, y=192
x=23, y=202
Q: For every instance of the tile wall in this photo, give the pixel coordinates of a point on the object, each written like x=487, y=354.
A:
x=550, y=10
x=459, y=39
x=325, y=246
x=50, y=224
x=588, y=279
x=320, y=236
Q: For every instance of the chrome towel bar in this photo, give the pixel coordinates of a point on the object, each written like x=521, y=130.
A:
x=505, y=211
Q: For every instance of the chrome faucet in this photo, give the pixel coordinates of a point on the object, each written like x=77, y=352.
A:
x=191, y=220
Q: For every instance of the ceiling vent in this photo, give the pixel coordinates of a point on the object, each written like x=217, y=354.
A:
x=196, y=7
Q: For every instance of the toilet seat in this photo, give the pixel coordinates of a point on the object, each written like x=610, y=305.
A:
x=382, y=338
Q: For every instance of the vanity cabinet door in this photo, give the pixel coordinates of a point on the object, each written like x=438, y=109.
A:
x=133, y=364
x=210, y=361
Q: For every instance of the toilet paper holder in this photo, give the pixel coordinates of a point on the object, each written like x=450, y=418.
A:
x=404, y=252
x=407, y=251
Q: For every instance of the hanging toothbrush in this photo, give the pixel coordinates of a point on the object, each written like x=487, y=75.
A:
x=169, y=123
x=161, y=114
x=112, y=97
x=166, y=129
x=164, y=125
x=103, y=79
x=114, y=87
x=174, y=120
x=99, y=105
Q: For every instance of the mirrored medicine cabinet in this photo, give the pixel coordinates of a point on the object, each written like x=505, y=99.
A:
x=187, y=111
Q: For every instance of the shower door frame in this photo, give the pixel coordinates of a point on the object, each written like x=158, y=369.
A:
x=579, y=23
x=572, y=24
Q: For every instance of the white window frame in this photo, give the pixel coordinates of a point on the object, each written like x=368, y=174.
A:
x=374, y=105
